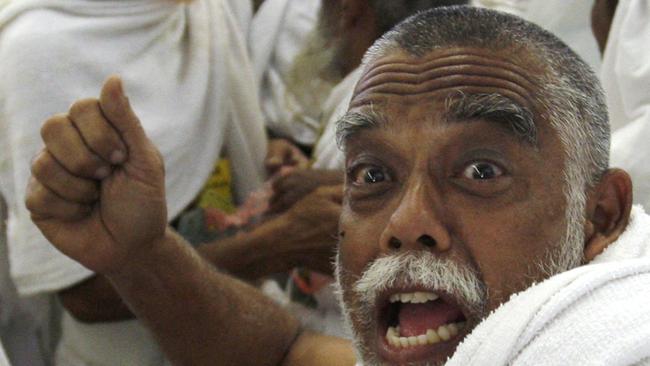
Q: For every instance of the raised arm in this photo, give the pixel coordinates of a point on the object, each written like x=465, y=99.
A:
x=102, y=203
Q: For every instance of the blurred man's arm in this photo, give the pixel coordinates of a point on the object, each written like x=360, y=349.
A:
x=304, y=236
x=94, y=301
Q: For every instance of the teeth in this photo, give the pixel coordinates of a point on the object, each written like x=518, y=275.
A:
x=407, y=297
x=453, y=329
x=422, y=340
x=403, y=341
x=432, y=336
x=442, y=334
x=413, y=341
x=413, y=297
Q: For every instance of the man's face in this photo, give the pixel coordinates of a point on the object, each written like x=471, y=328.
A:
x=444, y=217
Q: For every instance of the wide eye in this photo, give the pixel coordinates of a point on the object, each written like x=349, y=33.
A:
x=482, y=170
x=369, y=174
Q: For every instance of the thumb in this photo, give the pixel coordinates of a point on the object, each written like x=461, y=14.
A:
x=117, y=110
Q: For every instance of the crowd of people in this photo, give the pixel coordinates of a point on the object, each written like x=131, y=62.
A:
x=340, y=182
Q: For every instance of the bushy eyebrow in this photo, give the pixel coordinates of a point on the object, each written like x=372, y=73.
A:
x=493, y=108
x=460, y=107
x=352, y=122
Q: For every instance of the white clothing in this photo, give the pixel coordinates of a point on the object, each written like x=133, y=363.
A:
x=186, y=71
x=626, y=79
x=278, y=33
x=327, y=154
x=243, y=11
x=568, y=19
x=595, y=314
x=3, y=357
x=19, y=329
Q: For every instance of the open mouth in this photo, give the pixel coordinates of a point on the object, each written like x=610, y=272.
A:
x=418, y=322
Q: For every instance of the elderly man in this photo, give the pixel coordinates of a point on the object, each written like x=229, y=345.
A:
x=476, y=166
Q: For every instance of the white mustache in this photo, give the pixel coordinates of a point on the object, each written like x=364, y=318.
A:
x=425, y=270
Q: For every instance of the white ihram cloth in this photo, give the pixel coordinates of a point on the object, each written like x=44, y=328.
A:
x=326, y=154
x=187, y=74
x=568, y=19
x=278, y=33
x=626, y=79
x=3, y=357
x=596, y=314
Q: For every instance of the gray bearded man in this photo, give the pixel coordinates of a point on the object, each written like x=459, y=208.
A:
x=476, y=150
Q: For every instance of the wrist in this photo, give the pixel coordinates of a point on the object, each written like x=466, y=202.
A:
x=146, y=255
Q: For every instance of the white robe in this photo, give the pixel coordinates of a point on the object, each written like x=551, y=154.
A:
x=188, y=76
x=626, y=79
x=326, y=154
x=568, y=19
x=3, y=357
x=278, y=33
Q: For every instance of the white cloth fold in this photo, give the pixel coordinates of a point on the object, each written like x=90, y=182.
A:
x=278, y=33
x=626, y=79
x=326, y=154
x=3, y=357
x=596, y=314
x=568, y=19
x=187, y=72
x=54, y=52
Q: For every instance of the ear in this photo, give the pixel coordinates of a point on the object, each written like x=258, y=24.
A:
x=608, y=212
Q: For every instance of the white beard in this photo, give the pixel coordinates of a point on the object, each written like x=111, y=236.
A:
x=424, y=269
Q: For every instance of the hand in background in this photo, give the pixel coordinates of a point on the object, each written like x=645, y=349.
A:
x=97, y=188
x=311, y=227
x=283, y=153
x=290, y=188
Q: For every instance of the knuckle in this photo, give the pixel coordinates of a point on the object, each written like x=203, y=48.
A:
x=53, y=126
x=83, y=107
x=31, y=202
x=40, y=165
x=84, y=164
x=34, y=200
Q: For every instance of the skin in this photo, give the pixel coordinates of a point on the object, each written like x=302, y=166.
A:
x=602, y=14
x=291, y=188
x=283, y=153
x=175, y=291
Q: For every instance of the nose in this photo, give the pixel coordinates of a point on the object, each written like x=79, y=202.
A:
x=415, y=224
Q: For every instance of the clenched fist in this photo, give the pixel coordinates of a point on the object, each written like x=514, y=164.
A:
x=97, y=188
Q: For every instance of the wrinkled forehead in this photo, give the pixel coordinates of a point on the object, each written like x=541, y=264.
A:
x=460, y=83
